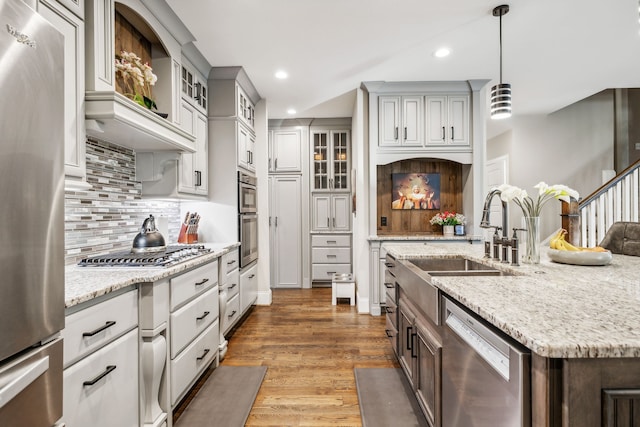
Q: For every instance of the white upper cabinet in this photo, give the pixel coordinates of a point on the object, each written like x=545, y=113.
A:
x=72, y=27
x=246, y=108
x=246, y=142
x=401, y=121
x=330, y=160
x=193, y=86
x=111, y=113
x=285, y=151
x=331, y=212
x=447, y=120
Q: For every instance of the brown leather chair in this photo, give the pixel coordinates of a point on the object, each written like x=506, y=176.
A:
x=623, y=238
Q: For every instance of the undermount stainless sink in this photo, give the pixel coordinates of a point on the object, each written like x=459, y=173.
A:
x=456, y=267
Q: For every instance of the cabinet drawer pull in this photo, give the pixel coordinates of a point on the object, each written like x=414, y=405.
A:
x=100, y=376
x=233, y=261
x=205, y=314
x=388, y=332
x=331, y=273
x=389, y=310
x=202, y=282
x=415, y=356
x=332, y=256
x=232, y=314
x=204, y=354
x=252, y=276
x=107, y=325
x=388, y=285
x=333, y=242
x=389, y=264
x=233, y=286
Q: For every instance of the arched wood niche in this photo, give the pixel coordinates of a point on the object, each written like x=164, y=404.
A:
x=416, y=221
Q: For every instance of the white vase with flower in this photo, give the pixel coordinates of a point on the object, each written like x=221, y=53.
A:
x=531, y=210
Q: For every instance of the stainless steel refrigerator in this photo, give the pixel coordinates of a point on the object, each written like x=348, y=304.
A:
x=31, y=217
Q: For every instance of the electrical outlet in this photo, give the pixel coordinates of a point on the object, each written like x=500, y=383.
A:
x=383, y=221
x=637, y=145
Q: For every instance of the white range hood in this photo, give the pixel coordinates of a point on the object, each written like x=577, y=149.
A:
x=113, y=117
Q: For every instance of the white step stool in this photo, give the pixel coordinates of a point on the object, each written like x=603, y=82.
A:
x=343, y=286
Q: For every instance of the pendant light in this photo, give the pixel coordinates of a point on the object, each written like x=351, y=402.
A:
x=500, y=99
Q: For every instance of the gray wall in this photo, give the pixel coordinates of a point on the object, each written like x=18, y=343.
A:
x=571, y=146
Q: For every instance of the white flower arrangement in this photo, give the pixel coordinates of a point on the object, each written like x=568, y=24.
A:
x=530, y=207
x=139, y=75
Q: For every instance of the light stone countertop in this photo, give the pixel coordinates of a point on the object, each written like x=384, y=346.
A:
x=83, y=284
x=421, y=237
x=556, y=310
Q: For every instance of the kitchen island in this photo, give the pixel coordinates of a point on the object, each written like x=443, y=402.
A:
x=582, y=325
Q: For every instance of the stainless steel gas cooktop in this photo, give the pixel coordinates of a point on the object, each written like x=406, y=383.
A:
x=171, y=255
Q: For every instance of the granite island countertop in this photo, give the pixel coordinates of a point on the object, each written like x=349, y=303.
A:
x=83, y=284
x=556, y=310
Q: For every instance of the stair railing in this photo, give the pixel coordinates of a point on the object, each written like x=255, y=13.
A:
x=616, y=200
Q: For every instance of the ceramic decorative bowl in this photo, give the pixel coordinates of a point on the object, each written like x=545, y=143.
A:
x=580, y=257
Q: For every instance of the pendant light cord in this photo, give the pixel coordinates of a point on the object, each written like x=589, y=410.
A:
x=501, y=48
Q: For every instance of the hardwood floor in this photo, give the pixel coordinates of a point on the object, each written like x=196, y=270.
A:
x=310, y=348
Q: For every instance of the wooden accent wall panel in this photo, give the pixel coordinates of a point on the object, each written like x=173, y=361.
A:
x=408, y=222
x=129, y=39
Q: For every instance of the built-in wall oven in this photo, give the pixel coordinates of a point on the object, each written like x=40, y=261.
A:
x=247, y=218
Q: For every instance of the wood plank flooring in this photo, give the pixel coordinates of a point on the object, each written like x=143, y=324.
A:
x=310, y=348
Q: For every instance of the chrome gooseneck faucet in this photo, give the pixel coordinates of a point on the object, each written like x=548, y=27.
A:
x=501, y=239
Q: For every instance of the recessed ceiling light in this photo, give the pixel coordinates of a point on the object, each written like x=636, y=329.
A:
x=442, y=52
x=281, y=74
x=291, y=111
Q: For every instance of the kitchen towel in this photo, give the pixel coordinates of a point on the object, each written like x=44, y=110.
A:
x=225, y=399
x=386, y=399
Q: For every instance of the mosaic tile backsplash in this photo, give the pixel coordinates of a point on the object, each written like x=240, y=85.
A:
x=107, y=217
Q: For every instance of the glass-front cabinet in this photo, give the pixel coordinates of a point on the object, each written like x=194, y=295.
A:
x=331, y=158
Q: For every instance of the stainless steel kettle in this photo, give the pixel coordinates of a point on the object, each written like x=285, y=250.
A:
x=149, y=239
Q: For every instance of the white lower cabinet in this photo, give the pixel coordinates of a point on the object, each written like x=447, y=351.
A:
x=191, y=362
x=101, y=363
x=232, y=313
x=330, y=254
x=192, y=319
x=194, y=327
x=248, y=287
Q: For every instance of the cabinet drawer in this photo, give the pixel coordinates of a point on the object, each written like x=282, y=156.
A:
x=193, y=318
x=391, y=310
x=186, y=368
x=230, y=262
x=233, y=284
x=89, y=329
x=326, y=271
x=112, y=400
x=232, y=314
x=390, y=291
x=318, y=240
x=331, y=255
x=392, y=335
x=192, y=283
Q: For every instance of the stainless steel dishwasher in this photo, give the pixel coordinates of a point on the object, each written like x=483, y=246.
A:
x=485, y=375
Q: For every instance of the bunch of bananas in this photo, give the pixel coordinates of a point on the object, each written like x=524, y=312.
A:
x=558, y=242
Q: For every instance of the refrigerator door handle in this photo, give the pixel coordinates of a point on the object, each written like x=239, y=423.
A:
x=12, y=383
